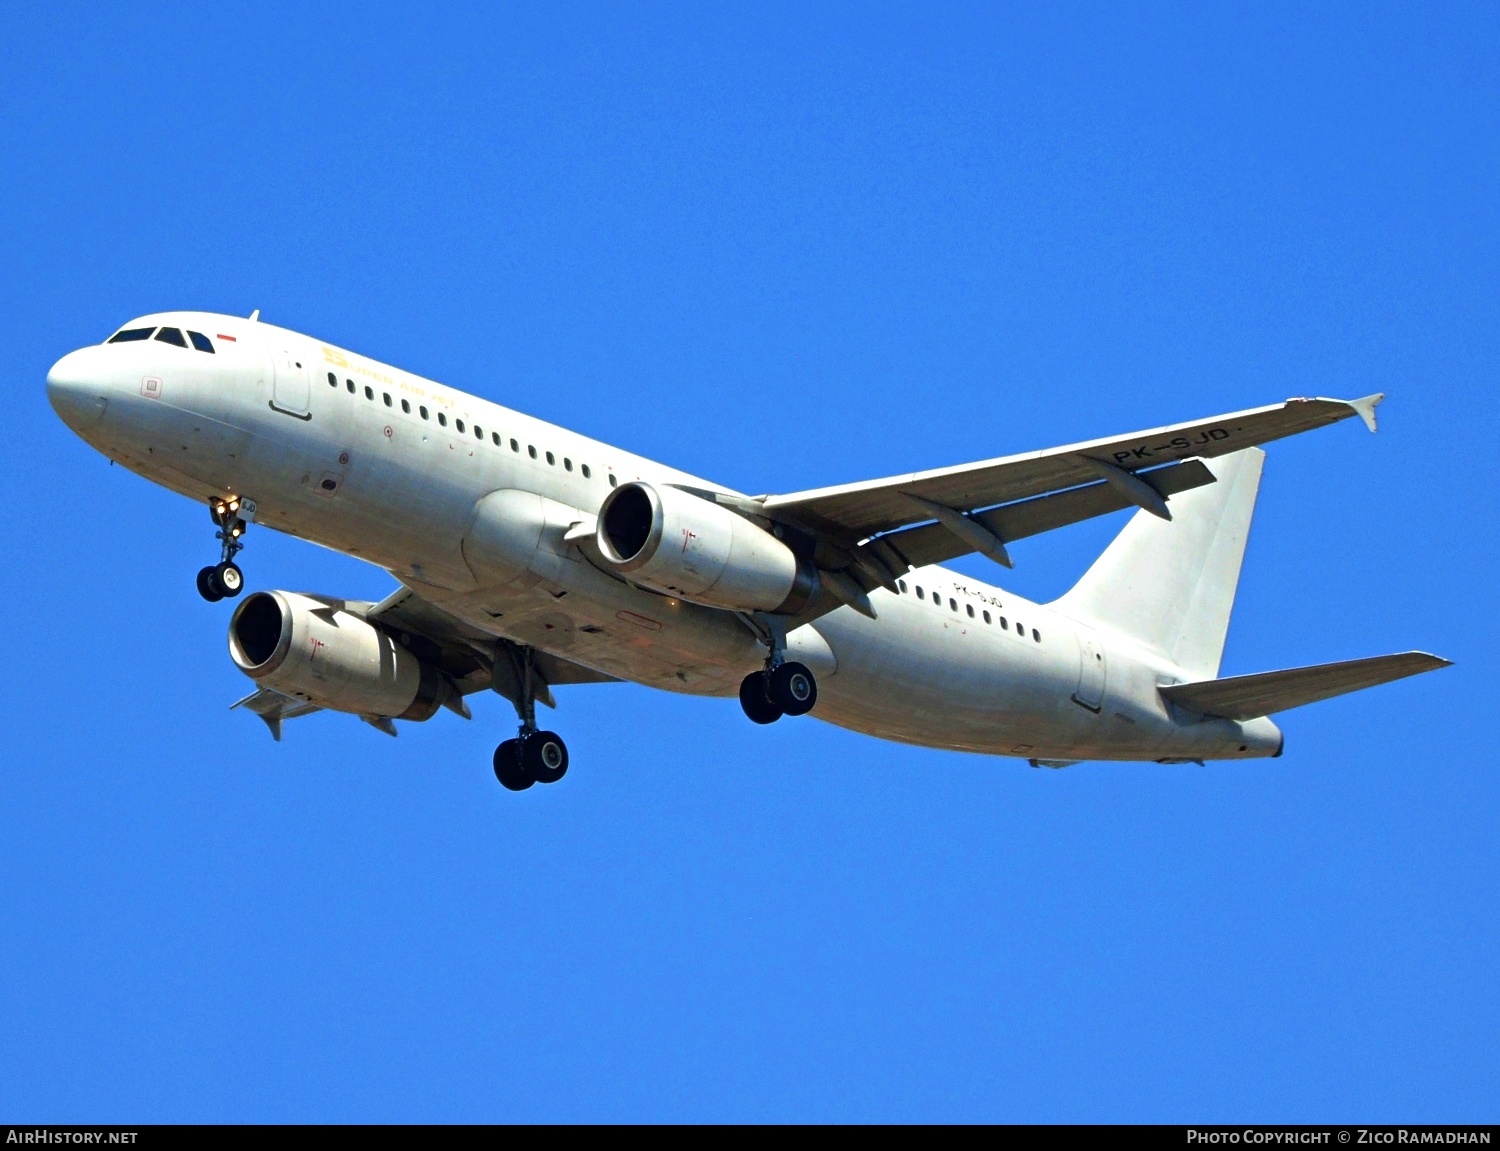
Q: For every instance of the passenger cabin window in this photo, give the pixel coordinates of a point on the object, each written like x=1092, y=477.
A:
x=953, y=603
x=1004, y=624
x=1036, y=635
x=585, y=470
x=515, y=445
x=201, y=342
x=551, y=459
x=901, y=583
x=333, y=380
x=171, y=336
x=987, y=617
x=442, y=419
x=970, y=609
x=478, y=432
x=369, y=392
x=531, y=450
x=495, y=438
x=920, y=593
x=350, y=384
x=131, y=334
x=386, y=396
x=567, y=464
x=459, y=424
x=406, y=406
x=612, y=480
x=423, y=410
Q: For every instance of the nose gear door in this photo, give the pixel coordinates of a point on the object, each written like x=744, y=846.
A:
x=292, y=389
x=1092, y=670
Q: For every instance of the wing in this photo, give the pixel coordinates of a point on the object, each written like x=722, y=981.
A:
x=863, y=509
x=470, y=659
x=866, y=534
x=465, y=654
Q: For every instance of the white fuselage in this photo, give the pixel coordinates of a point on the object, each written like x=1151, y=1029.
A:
x=335, y=448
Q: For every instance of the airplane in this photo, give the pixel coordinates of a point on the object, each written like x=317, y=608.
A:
x=529, y=557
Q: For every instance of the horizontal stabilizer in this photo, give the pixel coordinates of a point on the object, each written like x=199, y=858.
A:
x=1251, y=696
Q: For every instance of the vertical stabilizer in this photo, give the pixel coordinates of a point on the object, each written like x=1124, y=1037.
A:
x=1171, y=584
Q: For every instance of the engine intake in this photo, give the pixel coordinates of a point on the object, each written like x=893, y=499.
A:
x=308, y=649
x=677, y=543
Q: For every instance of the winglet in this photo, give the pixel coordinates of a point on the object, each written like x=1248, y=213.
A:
x=1365, y=407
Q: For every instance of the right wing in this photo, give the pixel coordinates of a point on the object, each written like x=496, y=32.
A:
x=471, y=660
x=1251, y=696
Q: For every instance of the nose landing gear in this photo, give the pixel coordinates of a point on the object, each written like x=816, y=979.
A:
x=785, y=687
x=224, y=579
x=533, y=756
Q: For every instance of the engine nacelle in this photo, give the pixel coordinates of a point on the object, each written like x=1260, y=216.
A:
x=674, y=542
x=307, y=649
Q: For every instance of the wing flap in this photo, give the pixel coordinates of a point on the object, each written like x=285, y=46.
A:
x=933, y=543
x=1250, y=696
x=855, y=511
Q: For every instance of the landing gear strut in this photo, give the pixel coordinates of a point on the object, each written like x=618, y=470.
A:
x=785, y=687
x=533, y=756
x=224, y=579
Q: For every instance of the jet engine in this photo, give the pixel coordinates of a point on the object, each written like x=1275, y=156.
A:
x=309, y=649
x=674, y=542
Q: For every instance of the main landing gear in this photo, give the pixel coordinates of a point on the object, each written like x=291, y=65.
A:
x=224, y=579
x=786, y=687
x=533, y=756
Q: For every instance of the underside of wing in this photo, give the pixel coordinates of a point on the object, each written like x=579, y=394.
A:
x=461, y=651
x=860, y=510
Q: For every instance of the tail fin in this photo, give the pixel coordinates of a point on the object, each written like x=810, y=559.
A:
x=1171, y=584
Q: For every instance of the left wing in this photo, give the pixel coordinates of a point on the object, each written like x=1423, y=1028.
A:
x=862, y=509
x=866, y=535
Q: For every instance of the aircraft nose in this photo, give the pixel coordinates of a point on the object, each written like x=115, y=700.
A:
x=76, y=389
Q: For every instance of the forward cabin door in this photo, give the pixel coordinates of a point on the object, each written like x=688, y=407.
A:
x=292, y=390
x=1092, y=670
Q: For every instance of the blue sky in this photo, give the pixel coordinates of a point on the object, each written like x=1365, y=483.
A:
x=782, y=247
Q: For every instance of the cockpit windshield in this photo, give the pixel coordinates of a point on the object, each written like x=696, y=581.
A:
x=165, y=335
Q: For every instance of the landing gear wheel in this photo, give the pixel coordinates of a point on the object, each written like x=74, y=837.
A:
x=755, y=699
x=208, y=585
x=792, y=688
x=544, y=756
x=229, y=579
x=509, y=770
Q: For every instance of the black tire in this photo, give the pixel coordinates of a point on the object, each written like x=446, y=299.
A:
x=208, y=585
x=545, y=756
x=755, y=700
x=229, y=579
x=793, y=689
x=509, y=769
